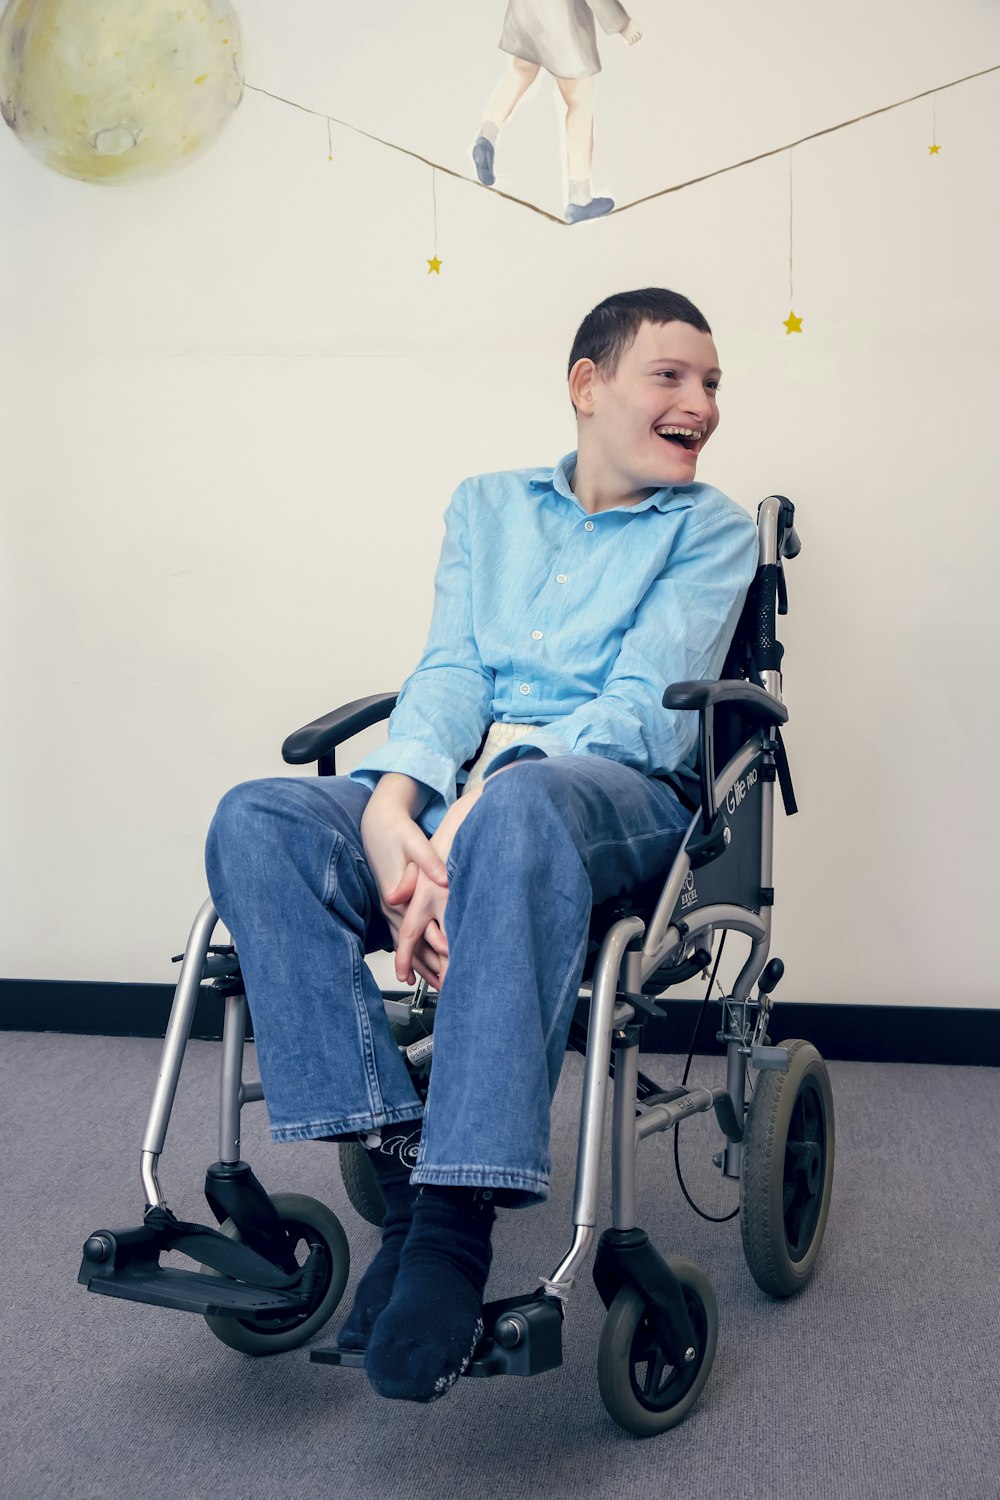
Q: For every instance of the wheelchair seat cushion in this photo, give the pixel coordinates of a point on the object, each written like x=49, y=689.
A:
x=497, y=739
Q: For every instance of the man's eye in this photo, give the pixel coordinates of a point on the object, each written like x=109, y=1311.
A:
x=671, y=373
x=715, y=384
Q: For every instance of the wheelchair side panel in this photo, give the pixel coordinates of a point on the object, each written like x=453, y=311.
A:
x=735, y=877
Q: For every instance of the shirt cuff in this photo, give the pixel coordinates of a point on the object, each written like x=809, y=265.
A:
x=411, y=758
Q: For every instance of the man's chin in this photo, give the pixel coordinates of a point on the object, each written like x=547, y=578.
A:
x=678, y=471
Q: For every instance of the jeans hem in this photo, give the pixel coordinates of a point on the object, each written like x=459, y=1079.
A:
x=313, y=1130
x=486, y=1177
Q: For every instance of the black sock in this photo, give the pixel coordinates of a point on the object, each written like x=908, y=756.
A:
x=392, y=1161
x=428, y=1332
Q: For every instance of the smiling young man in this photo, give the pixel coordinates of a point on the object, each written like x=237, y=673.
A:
x=566, y=600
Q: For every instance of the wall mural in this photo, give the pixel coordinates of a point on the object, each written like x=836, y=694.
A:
x=118, y=90
x=558, y=36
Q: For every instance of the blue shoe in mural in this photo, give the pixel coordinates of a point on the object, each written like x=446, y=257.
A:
x=482, y=155
x=592, y=210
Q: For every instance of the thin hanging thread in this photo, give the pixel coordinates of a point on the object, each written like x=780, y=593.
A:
x=435, y=198
x=791, y=294
x=329, y=140
x=934, y=119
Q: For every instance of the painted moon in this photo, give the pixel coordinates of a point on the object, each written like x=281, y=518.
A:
x=118, y=90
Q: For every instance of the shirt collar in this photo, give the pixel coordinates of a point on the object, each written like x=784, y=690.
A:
x=676, y=497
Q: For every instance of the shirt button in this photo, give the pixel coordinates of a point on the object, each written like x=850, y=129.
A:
x=560, y=578
x=588, y=525
x=525, y=688
x=536, y=635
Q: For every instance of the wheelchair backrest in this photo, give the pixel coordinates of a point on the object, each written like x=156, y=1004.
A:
x=754, y=648
x=734, y=877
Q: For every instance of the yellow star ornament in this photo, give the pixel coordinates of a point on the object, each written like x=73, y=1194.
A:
x=934, y=150
x=793, y=324
x=435, y=266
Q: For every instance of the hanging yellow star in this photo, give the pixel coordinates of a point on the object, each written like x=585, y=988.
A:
x=934, y=150
x=793, y=324
x=435, y=266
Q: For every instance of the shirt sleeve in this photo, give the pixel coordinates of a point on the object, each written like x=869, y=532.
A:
x=444, y=705
x=611, y=15
x=680, y=632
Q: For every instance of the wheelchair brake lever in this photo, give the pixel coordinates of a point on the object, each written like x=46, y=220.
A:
x=417, y=1006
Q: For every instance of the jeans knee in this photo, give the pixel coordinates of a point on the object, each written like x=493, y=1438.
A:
x=246, y=818
x=520, y=810
x=526, y=795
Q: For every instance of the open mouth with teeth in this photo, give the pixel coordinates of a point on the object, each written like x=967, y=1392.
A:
x=681, y=437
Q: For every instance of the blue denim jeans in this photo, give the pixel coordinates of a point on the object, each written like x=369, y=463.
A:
x=545, y=840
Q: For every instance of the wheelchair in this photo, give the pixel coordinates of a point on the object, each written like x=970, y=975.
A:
x=273, y=1272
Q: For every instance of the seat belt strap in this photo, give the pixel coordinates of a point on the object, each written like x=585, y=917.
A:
x=784, y=775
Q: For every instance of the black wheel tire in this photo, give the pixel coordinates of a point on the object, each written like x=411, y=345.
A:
x=316, y=1225
x=640, y=1389
x=786, y=1177
x=360, y=1182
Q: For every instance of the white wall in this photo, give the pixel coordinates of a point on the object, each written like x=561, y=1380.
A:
x=234, y=405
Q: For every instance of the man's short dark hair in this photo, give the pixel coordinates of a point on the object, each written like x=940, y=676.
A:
x=611, y=327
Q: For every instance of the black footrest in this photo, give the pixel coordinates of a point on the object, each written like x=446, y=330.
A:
x=194, y=1291
x=523, y=1337
x=348, y=1359
x=126, y=1263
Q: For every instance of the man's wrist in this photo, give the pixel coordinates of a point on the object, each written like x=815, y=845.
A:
x=396, y=789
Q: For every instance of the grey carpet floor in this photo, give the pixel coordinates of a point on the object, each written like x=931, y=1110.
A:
x=881, y=1380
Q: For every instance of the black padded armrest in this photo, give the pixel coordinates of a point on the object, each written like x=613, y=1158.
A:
x=316, y=740
x=754, y=701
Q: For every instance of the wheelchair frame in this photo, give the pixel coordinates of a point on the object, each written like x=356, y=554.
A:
x=637, y=959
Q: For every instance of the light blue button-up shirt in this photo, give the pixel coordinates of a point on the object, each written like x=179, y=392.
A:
x=546, y=615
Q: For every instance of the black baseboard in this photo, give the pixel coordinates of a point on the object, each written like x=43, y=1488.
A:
x=858, y=1033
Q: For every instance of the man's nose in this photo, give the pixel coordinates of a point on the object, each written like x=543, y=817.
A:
x=696, y=401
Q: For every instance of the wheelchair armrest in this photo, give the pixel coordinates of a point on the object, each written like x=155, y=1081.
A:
x=316, y=741
x=757, y=705
x=753, y=701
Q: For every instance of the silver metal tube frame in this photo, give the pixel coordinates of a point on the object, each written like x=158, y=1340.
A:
x=174, y=1043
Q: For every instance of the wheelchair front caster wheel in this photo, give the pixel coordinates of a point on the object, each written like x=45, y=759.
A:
x=640, y=1388
x=310, y=1223
x=786, y=1176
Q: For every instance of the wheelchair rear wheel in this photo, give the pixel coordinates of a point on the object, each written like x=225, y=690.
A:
x=360, y=1183
x=786, y=1178
x=640, y=1388
x=311, y=1223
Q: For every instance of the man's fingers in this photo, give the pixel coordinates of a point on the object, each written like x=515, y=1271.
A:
x=435, y=937
x=403, y=892
x=418, y=848
x=430, y=965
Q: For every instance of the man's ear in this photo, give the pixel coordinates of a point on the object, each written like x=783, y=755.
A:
x=582, y=379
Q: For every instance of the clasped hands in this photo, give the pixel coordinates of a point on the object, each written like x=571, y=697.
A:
x=413, y=902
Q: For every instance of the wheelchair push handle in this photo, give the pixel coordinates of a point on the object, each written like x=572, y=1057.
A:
x=788, y=543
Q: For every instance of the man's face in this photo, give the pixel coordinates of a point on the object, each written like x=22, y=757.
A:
x=666, y=380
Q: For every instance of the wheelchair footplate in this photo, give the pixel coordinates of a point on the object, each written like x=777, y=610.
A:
x=522, y=1336
x=234, y=1280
